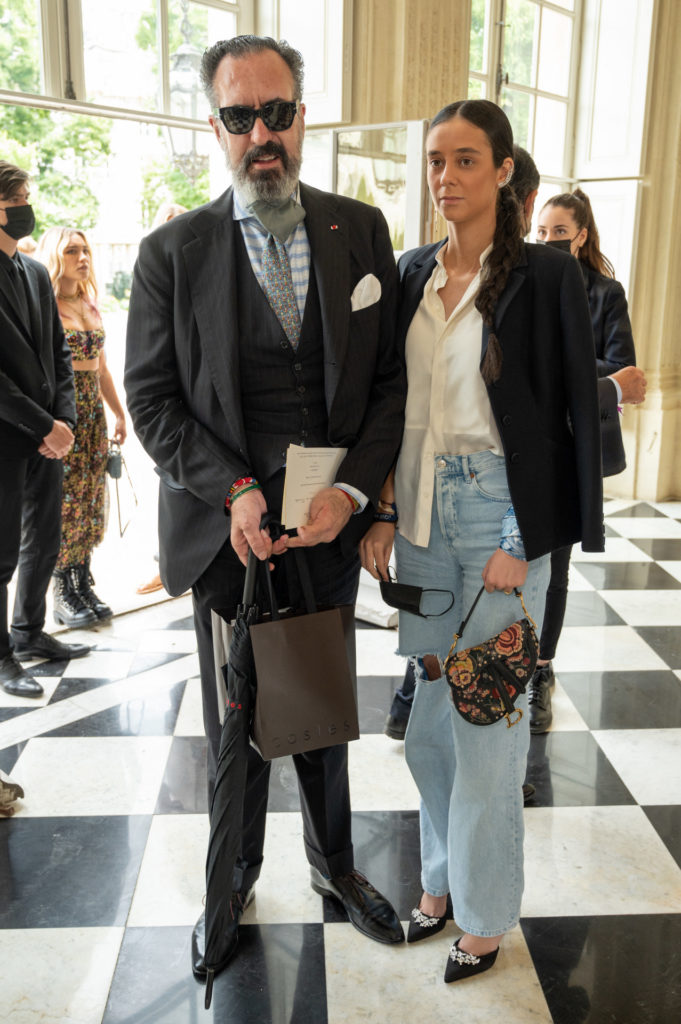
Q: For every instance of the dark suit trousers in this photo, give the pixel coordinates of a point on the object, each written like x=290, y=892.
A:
x=556, y=602
x=30, y=533
x=322, y=774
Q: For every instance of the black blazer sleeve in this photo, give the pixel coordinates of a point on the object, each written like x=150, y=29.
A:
x=610, y=321
x=614, y=459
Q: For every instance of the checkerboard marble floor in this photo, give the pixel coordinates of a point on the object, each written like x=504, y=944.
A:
x=102, y=866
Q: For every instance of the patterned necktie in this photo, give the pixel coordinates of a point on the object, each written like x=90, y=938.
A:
x=279, y=288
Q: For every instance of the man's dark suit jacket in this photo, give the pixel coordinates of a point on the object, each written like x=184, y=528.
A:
x=182, y=368
x=545, y=403
x=36, y=374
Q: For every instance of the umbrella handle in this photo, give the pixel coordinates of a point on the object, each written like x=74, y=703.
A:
x=249, y=582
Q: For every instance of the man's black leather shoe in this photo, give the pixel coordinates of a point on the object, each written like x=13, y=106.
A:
x=16, y=681
x=395, y=728
x=48, y=647
x=367, y=909
x=231, y=938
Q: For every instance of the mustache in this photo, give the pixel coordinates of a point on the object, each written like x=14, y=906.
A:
x=270, y=148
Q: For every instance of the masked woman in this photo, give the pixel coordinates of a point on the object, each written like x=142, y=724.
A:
x=68, y=258
x=501, y=393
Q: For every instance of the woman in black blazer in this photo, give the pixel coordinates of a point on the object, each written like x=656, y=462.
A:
x=567, y=222
x=501, y=395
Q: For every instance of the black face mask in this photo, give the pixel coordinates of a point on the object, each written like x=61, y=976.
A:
x=561, y=243
x=20, y=221
x=429, y=603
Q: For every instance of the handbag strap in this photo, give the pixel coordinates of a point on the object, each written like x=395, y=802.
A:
x=464, y=623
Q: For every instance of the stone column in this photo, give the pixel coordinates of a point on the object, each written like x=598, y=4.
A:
x=652, y=432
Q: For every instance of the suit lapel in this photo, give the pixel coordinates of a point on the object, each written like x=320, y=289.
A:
x=328, y=236
x=34, y=309
x=210, y=262
x=413, y=285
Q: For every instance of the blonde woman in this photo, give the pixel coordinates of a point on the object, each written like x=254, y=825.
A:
x=68, y=258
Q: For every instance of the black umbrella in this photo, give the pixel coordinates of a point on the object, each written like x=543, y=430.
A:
x=227, y=806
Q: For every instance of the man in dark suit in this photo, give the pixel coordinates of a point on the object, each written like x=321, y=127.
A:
x=225, y=368
x=37, y=416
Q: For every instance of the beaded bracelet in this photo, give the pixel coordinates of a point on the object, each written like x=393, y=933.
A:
x=241, y=485
x=251, y=487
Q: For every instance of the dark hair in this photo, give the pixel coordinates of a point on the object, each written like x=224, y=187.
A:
x=11, y=179
x=525, y=174
x=242, y=46
x=507, y=242
x=578, y=204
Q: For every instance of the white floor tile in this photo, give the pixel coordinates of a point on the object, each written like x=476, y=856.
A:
x=100, y=665
x=403, y=984
x=172, y=879
x=647, y=760
x=379, y=777
x=646, y=607
x=597, y=860
x=376, y=653
x=190, y=717
x=670, y=508
x=91, y=775
x=566, y=717
x=576, y=581
x=674, y=569
x=611, y=505
x=283, y=892
x=604, y=649
x=617, y=549
x=169, y=641
x=57, y=975
x=656, y=526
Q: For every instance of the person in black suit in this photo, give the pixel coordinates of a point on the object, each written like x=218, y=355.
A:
x=567, y=222
x=219, y=384
x=37, y=417
x=501, y=394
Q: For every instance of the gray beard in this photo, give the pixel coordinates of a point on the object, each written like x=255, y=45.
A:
x=270, y=186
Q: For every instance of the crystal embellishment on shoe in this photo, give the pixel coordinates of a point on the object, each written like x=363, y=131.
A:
x=461, y=964
x=423, y=920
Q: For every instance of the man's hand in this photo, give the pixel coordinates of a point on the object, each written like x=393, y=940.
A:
x=329, y=512
x=504, y=572
x=633, y=383
x=245, y=532
x=57, y=443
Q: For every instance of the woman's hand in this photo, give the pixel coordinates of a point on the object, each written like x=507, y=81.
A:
x=375, y=549
x=120, y=430
x=504, y=572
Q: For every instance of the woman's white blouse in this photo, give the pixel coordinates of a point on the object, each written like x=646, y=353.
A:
x=448, y=411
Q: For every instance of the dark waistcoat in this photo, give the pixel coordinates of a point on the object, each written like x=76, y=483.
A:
x=282, y=389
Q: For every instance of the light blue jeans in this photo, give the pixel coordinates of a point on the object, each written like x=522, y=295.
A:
x=469, y=776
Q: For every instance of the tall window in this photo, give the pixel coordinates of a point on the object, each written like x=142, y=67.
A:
x=522, y=56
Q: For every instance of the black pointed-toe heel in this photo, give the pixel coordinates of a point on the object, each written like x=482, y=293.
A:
x=462, y=965
x=422, y=927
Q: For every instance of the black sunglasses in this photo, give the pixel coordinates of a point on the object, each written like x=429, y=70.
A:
x=277, y=116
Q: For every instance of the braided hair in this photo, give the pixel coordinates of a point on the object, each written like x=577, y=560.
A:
x=578, y=204
x=507, y=242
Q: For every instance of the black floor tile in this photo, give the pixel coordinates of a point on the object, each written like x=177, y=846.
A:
x=569, y=769
x=587, y=608
x=642, y=510
x=665, y=641
x=183, y=789
x=375, y=695
x=69, y=872
x=8, y=758
x=74, y=686
x=46, y=668
x=277, y=976
x=147, y=716
x=619, y=969
x=667, y=823
x=7, y=714
x=625, y=700
x=665, y=549
x=628, y=576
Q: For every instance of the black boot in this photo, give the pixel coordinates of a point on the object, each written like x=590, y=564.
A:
x=83, y=580
x=69, y=609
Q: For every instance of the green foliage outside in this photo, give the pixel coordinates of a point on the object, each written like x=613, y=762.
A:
x=477, y=47
x=59, y=150
x=164, y=183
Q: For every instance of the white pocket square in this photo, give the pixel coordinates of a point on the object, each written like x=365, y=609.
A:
x=367, y=291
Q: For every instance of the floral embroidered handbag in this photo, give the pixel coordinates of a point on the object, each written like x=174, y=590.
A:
x=486, y=680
